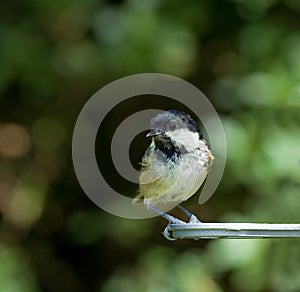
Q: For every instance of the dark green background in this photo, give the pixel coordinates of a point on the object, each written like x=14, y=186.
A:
x=244, y=55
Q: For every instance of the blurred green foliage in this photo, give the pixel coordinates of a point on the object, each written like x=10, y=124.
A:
x=244, y=55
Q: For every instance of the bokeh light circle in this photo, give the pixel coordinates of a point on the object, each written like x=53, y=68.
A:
x=103, y=101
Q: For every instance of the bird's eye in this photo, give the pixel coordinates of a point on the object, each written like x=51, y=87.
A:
x=172, y=126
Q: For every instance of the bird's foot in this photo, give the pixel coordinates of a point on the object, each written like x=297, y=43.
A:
x=172, y=220
x=192, y=218
x=169, y=218
x=167, y=234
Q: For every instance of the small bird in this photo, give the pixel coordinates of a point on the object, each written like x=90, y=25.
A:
x=175, y=164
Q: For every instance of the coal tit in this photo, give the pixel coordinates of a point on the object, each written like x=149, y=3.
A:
x=175, y=164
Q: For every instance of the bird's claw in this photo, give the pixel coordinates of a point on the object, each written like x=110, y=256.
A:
x=194, y=220
x=173, y=220
x=167, y=234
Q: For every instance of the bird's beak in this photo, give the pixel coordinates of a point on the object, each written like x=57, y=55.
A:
x=154, y=132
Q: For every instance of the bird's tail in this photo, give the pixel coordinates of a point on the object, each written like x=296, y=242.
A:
x=137, y=199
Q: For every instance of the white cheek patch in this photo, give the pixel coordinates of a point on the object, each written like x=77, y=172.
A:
x=189, y=139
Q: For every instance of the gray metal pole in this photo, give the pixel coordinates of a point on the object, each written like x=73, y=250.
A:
x=231, y=230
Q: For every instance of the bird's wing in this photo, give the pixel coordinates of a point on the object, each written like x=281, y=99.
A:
x=153, y=167
x=149, y=184
x=149, y=176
